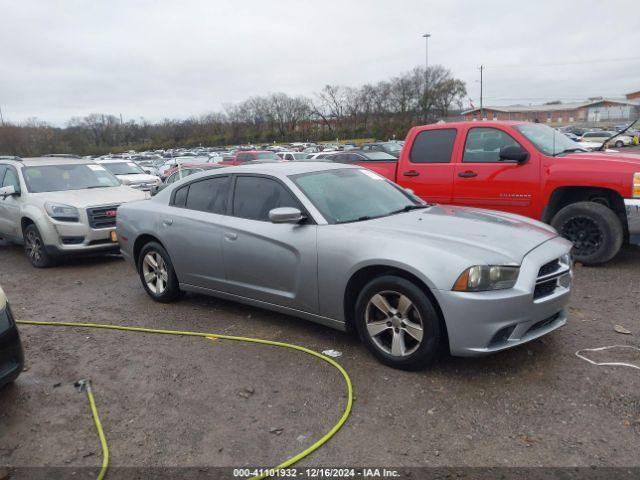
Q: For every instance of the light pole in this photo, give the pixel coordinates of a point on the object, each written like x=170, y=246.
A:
x=481, y=106
x=426, y=72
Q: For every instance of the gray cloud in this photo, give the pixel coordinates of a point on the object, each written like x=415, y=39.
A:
x=158, y=59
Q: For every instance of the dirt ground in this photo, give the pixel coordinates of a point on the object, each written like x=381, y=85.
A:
x=174, y=401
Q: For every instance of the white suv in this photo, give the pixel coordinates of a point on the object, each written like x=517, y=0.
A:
x=60, y=206
x=131, y=174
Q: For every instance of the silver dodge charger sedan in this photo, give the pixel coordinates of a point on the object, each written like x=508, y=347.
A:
x=345, y=247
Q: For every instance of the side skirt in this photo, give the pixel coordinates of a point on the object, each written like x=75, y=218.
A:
x=329, y=322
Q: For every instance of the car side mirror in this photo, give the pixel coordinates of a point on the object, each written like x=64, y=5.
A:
x=514, y=153
x=9, y=191
x=286, y=215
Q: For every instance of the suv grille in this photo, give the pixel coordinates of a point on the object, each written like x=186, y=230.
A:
x=102, y=217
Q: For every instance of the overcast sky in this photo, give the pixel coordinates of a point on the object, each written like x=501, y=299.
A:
x=174, y=59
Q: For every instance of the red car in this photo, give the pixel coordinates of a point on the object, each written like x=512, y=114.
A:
x=249, y=156
x=591, y=198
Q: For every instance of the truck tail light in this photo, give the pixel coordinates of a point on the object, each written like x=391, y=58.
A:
x=636, y=185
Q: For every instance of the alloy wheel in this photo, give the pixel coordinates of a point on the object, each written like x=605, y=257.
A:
x=394, y=323
x=155, y=274
x=33, y=244
x=585, y=233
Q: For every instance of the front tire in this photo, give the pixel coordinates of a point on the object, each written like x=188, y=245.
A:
x=157, y=273
x=619, y=144
x=398, y=323
x=35, y=249
x=594, y=229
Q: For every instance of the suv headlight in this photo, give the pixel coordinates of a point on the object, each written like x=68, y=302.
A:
x=481, y=278
x=636, y=185
x=64, y=213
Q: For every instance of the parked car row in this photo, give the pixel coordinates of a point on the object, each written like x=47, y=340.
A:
x=305, y=236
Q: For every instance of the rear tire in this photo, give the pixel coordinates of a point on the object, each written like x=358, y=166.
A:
x=35, y=249
x=619, y=144
x=398, y=323
x=595, y=230
x=157, y=274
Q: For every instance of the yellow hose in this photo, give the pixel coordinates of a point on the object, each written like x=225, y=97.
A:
x=86, y=384
x=286, y=463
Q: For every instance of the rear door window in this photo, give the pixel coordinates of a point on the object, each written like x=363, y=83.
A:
x=433, y=146
x=180, y=197
x=209, y=195
x=255, y=197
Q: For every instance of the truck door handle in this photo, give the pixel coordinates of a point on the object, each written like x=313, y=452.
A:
x=230, y=236
x=167, y=222
x=411, y=173
x=468, y=174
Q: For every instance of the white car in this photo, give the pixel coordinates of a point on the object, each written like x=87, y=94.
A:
x=292, y=156
x=60, y=206
x=131, y=174
x=322, y=155
x=601, y=137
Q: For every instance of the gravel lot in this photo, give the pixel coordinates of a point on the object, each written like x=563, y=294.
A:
x=169, y=401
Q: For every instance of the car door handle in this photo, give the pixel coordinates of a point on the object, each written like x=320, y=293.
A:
x=468, y=174
x=411, y=173
x=230, y=236
x=167, y=222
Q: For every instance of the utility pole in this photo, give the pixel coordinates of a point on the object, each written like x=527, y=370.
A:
x=481, y=109
x=1, y=117
x=426, y=73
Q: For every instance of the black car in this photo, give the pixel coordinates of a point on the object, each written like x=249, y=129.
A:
x=11, y=355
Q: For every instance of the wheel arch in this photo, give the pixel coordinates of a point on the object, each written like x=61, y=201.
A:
x=564, y=196
x=364, y=275
x=141, y=241
x=25, y=222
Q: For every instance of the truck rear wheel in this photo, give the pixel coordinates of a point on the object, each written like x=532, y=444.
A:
x=594, y=229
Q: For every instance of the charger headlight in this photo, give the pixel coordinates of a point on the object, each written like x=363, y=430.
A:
x=480, y=278
x=62, y=212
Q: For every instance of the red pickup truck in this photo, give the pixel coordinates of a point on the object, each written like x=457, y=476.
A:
x=250, y=156
x=591, y=198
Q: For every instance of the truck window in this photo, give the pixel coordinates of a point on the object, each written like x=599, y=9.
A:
x=433, y=146
x=483, y=145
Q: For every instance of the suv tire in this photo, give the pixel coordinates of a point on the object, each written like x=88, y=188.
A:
x=406, y=332
x=35, y=249
x=157, y=274
x=595, y=230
